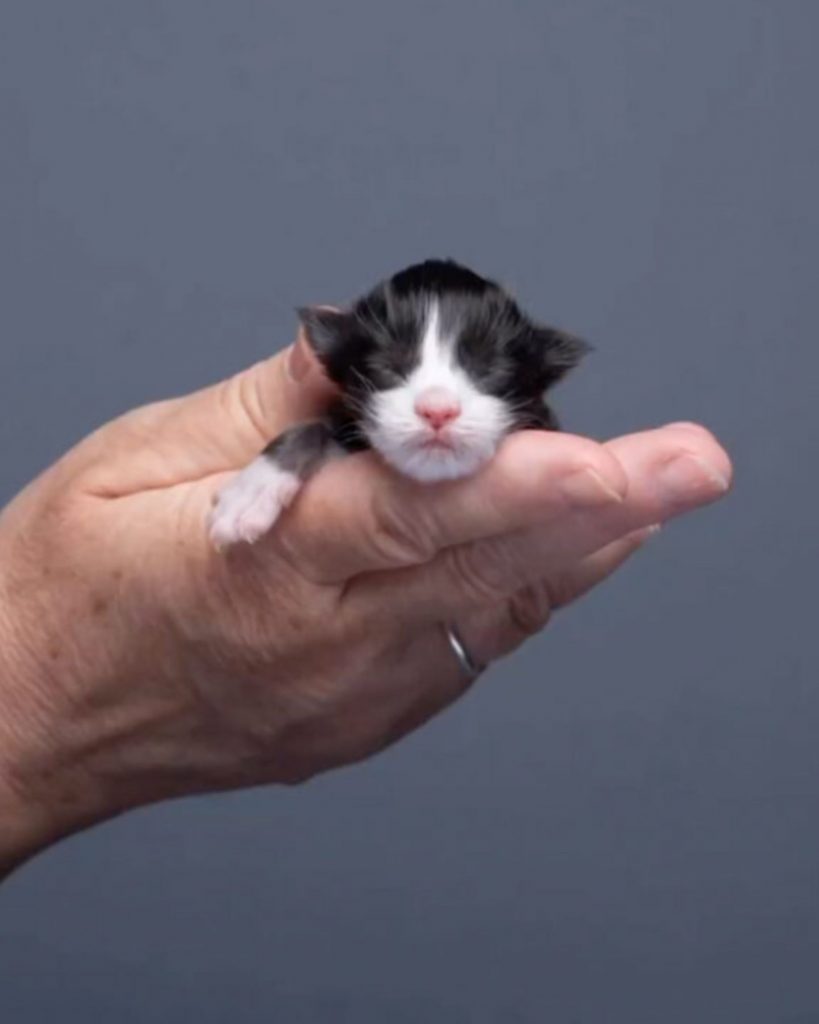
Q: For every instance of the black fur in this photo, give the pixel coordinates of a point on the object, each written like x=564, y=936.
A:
x=375, y=344
x=300, y=449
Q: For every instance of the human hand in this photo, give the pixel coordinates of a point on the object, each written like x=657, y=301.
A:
x=136, y=663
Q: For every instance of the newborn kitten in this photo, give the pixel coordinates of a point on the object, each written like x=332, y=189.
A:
x=434, y=367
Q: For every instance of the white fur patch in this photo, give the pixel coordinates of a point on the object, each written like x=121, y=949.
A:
x=249, y=505
x=405, y=439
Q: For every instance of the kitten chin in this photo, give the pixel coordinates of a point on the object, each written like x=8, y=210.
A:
x=434, y=367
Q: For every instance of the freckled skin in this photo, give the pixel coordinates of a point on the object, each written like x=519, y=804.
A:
x=196, y=679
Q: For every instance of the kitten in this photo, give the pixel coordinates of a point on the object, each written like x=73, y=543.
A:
x=434, y=367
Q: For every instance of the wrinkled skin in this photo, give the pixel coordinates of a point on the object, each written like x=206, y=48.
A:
x=136, y=663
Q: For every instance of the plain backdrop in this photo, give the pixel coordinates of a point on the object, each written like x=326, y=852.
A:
x=620, y=823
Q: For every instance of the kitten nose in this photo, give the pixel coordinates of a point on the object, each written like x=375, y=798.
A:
x=438, y=406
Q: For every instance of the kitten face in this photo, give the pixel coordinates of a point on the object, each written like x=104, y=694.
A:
x=435, y=423
x=436, y=365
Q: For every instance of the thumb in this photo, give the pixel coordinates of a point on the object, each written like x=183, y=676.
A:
x=212, y=431
x=234, y=419
x=263, y=400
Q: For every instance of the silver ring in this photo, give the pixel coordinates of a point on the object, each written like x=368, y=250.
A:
x=465, y=659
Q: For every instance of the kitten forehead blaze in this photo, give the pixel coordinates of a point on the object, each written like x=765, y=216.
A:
x=435, y=365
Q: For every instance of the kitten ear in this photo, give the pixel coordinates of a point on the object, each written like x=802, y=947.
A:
x=324, y=328
x=558, y=351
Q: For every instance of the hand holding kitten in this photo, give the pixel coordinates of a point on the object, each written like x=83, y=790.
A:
x=434, y=367
x=136, y=663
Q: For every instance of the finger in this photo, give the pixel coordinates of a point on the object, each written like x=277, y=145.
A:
x=427, y=675
x=260, y=402
x=490, y=633
x=357, y=515
x=493, y=632
x=693, y=438
x=669, y=471
x=569, y=584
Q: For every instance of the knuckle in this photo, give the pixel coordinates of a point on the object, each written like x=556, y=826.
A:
x=600, y=465
x=238, y=401
x=241, y=394
x=588, y=459
x=584, y=468
x=530, y=608
x=480, y=572
x=397, y=538
x=586, y=487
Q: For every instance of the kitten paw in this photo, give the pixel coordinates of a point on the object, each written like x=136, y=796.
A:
x=249, y=505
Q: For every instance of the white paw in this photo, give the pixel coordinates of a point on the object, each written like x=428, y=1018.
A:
x=249, y=505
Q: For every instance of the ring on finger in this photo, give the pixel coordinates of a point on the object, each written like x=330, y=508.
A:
x=468, y=664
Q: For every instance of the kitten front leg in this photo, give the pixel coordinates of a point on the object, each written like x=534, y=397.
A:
x=250, y=503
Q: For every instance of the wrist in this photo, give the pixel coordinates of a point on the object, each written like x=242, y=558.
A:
x=34, y=811
x=22, y=830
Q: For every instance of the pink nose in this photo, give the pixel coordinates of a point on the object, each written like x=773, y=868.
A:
x=438, y=406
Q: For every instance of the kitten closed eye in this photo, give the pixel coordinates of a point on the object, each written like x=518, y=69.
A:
x=434, y=367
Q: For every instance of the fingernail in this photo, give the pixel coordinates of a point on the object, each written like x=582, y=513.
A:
x=299, y=360
x=639, y=538
x=642, y=536
x=689, y=476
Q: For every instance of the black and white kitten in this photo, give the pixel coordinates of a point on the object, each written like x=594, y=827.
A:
x=434, y=367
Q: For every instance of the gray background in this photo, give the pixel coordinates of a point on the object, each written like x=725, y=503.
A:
x=620, y=824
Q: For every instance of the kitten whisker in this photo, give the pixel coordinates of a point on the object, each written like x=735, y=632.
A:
x=435, y=333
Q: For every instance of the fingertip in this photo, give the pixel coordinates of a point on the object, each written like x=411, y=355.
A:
x=702, y=444
x=638, y=538
x=291, y=386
